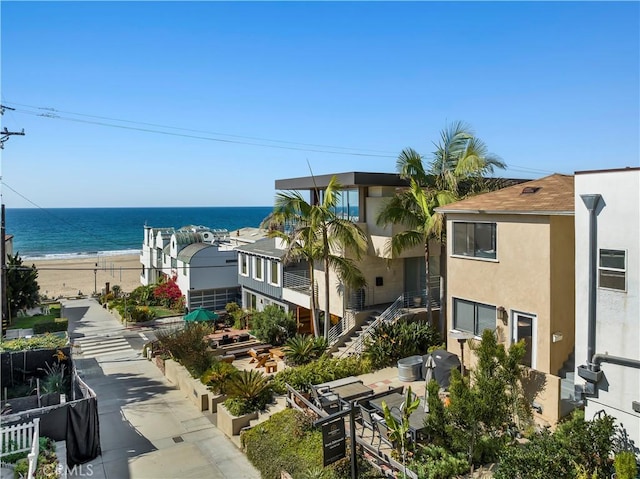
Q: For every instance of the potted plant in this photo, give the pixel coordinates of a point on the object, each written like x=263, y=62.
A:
x=216, y=378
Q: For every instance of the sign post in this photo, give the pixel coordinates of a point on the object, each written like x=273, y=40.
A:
x=334, y=448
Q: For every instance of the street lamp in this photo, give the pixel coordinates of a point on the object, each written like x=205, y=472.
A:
x=95, y=280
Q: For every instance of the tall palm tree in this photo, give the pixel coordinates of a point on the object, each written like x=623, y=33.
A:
x=457, y=167
x=323, y=236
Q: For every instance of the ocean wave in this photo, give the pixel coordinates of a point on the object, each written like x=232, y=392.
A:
x=80, y=255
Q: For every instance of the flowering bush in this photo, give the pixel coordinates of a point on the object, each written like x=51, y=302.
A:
x=168, y=293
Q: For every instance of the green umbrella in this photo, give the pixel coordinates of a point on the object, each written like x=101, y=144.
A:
x=201, y=314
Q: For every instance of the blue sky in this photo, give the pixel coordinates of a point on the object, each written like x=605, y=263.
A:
x=208, y=103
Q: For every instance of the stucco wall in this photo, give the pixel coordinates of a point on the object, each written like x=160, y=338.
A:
x=617, y=312
x=562, y=290
x=518, y=279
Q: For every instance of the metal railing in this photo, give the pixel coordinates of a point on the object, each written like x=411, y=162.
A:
x=342, y=327
x=390, y=314
x=298, y=281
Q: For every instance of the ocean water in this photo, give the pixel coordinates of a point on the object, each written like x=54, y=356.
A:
x=87, y=232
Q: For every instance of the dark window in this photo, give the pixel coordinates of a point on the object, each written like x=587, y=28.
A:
x=474, y=239
x=473, y=317
x=612, y=269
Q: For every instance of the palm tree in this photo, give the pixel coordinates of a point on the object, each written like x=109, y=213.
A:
x=319, y=234
x=458, y=167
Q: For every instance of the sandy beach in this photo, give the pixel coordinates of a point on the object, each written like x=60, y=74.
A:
x=66, y=277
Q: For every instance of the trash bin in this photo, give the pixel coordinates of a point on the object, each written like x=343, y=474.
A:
x=410, y=369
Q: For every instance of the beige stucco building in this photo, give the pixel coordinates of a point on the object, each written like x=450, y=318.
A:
x=510, y=268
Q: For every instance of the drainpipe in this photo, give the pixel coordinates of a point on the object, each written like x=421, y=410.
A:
x=591, y=202
x=591, y=371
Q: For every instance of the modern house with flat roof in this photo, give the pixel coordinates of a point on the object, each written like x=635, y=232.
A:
x=388, y=277
x=607, y=291
x=510, y=269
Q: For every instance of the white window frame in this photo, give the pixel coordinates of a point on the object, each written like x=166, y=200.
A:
x=610, y=269
x=476, y=332
x=258, y=261
x=534, y=332
x=243, y=264
x=270, y=279
x=474, y=256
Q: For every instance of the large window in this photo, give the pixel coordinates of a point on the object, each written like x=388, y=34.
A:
x=612, y=269
x=473, y=317
x=474, y=239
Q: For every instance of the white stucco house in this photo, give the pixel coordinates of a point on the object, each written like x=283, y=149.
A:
x=607, y=246
x=203, y=261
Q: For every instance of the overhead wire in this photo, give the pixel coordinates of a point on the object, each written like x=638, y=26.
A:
x=53, y=113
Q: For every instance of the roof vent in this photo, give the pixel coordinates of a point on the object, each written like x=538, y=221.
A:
x=529, y=190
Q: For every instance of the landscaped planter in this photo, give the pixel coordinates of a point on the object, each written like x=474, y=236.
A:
x=182, y=379
x=216, y=399
x=232, y=425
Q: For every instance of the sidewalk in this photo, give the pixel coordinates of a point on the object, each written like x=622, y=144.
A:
x=148, y=429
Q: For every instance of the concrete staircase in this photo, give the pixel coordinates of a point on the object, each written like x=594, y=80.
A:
x=568, y=401
x=344, y=347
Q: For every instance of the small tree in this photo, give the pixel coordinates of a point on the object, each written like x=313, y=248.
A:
x=22, y=285
x=273, y=325
x=400, y=428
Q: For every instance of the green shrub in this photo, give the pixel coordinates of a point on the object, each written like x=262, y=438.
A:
x=59, y=324
x=434, y=462
x=625, y=465
x=273, y=325
x=285, y=442
x=217, y=376
x=322, y=370
x=188, y=347
x=543, y=457
x=21, y=469
x=400, y=339
x=248, y=391
x=141, y=314
x=302, y=349
x=45, y=341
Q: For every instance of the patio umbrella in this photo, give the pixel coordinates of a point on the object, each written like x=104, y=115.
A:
x=429, y=365
x=201, y=314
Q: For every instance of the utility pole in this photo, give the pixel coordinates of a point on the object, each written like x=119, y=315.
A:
x=4, y=136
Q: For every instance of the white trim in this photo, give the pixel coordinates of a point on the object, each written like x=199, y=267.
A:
x=258, y=260
x=617, y=270
x=278, y=273
x=244, y=261
x=534, y=332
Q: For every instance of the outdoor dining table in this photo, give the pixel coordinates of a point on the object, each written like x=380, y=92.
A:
x=394, y=401
x=349, y=392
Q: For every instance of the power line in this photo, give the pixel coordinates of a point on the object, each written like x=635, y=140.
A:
x=53, y=113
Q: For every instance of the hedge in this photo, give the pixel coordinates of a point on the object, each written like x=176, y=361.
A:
x=58, y=324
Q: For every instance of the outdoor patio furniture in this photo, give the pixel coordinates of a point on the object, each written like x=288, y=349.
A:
x=271, y=367
x=276, y=353
x=352, y=391
x=394, y=401
x=259, y=358
x=383, y=433
x=325, y=399
x=368, y=420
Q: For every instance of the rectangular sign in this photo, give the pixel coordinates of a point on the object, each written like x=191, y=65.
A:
x=333, y=441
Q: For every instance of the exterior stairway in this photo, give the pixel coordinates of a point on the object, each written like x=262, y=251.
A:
x=568, y=401
x=347, y=346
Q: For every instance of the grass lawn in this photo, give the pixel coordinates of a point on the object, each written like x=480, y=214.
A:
x=28, y=321
x=163, y=312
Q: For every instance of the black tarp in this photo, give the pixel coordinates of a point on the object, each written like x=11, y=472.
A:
x=83, y=432
x=445, y=362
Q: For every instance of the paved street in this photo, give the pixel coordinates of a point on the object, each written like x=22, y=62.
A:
x=147, y=428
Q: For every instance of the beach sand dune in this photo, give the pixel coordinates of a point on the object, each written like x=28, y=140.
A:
x=67, y=277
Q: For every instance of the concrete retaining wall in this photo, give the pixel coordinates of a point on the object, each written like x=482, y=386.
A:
x=197, y=392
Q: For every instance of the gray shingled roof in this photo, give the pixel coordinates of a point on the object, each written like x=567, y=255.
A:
x=265, y=247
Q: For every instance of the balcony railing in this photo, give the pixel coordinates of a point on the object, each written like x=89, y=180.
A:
x=298, y=281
